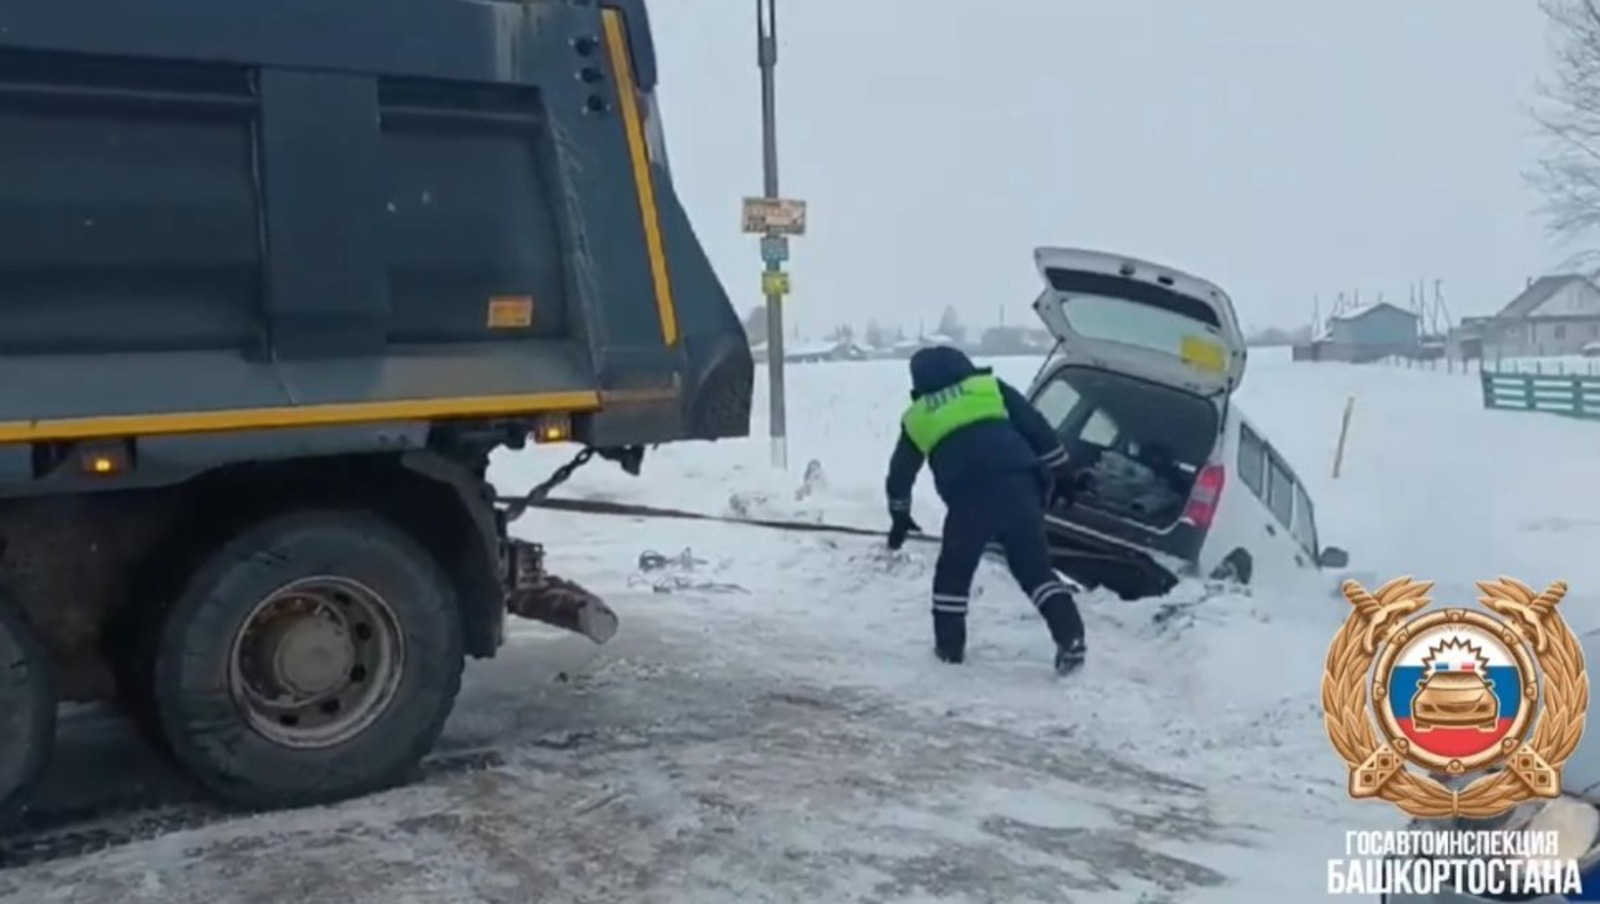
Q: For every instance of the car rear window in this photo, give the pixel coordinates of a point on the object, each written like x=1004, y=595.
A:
x=1074, y=283
x=1109, y=319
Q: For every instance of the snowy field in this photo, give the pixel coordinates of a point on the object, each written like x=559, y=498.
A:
x=771, y=726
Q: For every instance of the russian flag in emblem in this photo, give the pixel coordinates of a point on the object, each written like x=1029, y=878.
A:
x=1454, y=690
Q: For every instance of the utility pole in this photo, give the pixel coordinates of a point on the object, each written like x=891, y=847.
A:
x=767, y=60
x=775, y=219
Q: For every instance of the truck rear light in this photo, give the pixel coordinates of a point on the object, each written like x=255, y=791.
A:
x=552, y=428
x=1206, y=495
x=103, y=459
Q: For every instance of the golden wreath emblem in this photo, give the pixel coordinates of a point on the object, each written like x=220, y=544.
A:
x=1454, y=693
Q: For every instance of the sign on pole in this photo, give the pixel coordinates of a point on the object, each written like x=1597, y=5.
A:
x=774, y=216
x=774, y=249
x=775, y=283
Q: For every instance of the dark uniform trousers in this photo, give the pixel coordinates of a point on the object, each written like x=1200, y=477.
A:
x=1010, y=511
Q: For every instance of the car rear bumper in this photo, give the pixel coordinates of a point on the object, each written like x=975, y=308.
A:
x=1098, y=561
x=1181, y=542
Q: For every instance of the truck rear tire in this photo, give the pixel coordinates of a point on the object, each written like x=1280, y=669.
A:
x=27, y=712
x=313, y=658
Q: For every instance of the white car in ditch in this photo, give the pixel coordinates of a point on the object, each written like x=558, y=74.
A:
x=1175, y=480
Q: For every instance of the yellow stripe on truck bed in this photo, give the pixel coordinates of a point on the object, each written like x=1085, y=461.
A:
x=644, y=183
x=288, y=416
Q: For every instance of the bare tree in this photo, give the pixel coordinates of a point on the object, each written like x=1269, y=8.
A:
x=877, y=336
x=950, y=325
x=1568, y=116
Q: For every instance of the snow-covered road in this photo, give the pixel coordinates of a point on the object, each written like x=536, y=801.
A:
x=773, y=728
x=661, y=773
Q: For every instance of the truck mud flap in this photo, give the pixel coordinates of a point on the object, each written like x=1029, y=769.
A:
x=1128, y=573
x=534, y=594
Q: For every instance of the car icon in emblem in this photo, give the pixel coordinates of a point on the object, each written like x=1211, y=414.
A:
x=1455, y=700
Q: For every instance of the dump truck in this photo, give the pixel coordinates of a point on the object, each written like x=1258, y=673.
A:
x=275, y=280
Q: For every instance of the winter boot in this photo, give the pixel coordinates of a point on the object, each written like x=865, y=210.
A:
x=1060, y=612
x=950, y=637
x=1069, y=658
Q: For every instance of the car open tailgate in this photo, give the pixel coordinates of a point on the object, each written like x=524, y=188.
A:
x=1140, y=318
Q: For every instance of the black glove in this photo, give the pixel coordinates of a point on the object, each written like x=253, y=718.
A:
x=901, y=524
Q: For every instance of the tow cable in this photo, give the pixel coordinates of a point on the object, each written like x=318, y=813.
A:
x=539, y=497
x=635, y=510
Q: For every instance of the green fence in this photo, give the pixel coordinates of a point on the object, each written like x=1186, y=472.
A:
x=1574, y=395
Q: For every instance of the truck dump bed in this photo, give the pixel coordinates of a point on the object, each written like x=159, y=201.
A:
x=219, y=215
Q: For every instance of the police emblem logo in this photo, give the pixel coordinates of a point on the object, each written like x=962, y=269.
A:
x=1494, y=700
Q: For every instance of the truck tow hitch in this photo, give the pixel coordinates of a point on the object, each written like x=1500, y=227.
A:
x=535, y=594
x=532, y=592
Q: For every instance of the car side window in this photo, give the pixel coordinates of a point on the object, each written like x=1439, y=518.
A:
x=1305, y=526
x=1252, y=462
x=1056, y=401
x=1280, y=491
x=1100, y=430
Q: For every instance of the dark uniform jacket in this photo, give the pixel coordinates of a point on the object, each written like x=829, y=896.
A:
x=968, y=461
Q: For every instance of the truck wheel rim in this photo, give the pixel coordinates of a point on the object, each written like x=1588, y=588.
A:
x=317, y=662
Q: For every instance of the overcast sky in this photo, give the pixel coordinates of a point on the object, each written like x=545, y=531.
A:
x=1281, y=149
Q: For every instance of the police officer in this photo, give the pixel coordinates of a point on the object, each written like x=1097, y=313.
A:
x=996, y=463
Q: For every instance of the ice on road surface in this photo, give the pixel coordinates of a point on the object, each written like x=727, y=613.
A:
x=770, y=725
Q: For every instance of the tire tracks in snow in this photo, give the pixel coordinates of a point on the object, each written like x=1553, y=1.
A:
x=663, y=779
